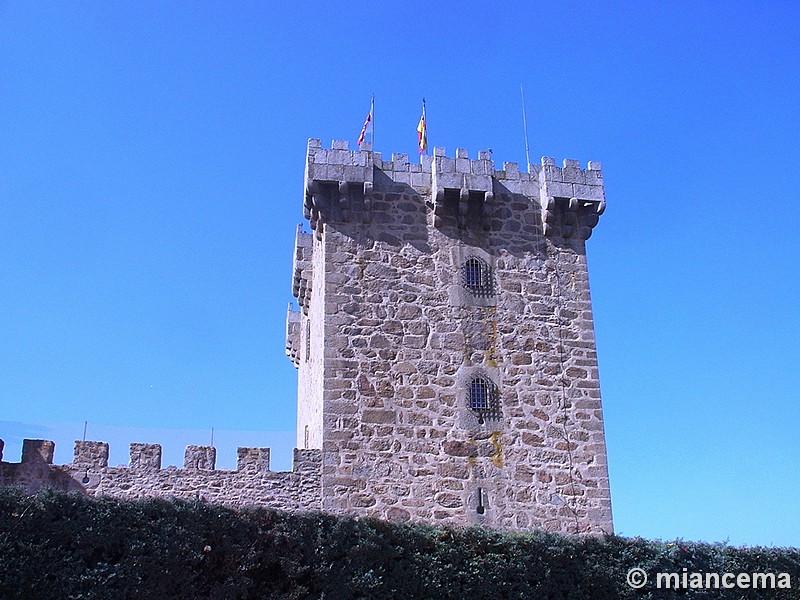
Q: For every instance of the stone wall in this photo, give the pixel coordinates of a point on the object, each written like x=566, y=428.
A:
x=310, y=271
x=404, y=338
x=252, y=483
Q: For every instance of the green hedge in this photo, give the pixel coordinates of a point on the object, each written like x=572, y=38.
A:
x=57, y=545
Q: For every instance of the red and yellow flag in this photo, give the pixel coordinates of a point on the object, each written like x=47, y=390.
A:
x=422, y=131
x=363, y=133
x=367, y=121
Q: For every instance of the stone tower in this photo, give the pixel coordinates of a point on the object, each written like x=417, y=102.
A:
x=445, y=342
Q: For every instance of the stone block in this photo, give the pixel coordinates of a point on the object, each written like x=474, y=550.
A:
x=362, y=500
x=355, y=173
x=90, y=454
x=400, y=160
x=145, y=456
x=449, y=500
x=511, y=169
x=457, y=470
x=395, y=513
x=378, y=416
x=448, y=165
x=252, y=460
x=460, y=448
x=421, y=179
x=306, y=460
x=587, y=192
x=572, y=173
x=38, y=451
x=200, y=457
x=558, y=189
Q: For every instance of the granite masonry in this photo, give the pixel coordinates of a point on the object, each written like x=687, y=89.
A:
x=444, y=341
x=250, y=484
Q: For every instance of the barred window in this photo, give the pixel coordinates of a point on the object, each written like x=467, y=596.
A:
x=483, y=398
x=476, y=276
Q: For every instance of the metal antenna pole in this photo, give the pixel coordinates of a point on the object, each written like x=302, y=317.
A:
x=525, y=127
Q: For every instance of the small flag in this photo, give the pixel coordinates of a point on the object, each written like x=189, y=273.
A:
x=364, y=128
x=367, y=121
x=422, y=130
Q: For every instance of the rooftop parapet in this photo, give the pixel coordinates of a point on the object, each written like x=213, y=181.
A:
x=464, y=177
x=335, y=177
x=572, y=198
x=339, y=163
x=570, y=181
x=345, y=170
x=302, y=268
x=324, y=164
x=293, y=335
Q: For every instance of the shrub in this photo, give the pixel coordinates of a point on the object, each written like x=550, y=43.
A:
x=57, y=545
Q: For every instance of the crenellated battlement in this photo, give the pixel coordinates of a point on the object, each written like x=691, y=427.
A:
x=340, y=163
x=337, y=180
x=293, y=334
x=301, y=268
x=94, y=455
x=251, y=483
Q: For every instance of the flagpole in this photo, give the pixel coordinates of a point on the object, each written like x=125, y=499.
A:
x=372, y=129
x=425, y=118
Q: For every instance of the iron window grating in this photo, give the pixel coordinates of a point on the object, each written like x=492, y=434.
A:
x=483, y=398
x=476, y=276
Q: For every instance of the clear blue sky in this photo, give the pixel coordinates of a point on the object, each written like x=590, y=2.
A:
x=151, y=162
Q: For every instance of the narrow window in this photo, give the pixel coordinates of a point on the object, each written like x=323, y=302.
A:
x=483, y=398
x=477, y=277
x=308, y=340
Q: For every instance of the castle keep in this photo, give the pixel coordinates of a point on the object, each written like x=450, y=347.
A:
x=444, y=342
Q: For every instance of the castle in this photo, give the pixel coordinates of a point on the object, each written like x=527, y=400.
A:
x=447, y=369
